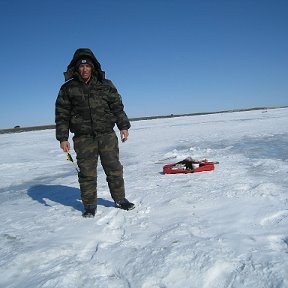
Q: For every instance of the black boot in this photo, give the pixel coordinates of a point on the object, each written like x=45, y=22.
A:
x=124, y=204
x=90, y=211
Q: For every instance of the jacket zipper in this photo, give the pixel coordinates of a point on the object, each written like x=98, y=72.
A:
x=90, y=111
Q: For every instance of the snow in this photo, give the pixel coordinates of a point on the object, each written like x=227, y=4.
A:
x=219, y=229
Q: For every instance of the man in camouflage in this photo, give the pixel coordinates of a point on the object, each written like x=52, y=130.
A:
x=89, y=106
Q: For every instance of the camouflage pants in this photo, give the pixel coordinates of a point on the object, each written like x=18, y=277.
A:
x=88, y=150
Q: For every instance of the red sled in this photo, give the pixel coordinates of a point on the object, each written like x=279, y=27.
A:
x=189, y=165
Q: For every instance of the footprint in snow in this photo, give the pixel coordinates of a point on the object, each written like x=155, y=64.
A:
x=278, y=243
x=221, y=274
x=88, y=252
x=275, y=218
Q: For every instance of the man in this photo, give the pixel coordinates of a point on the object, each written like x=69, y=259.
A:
x=89, y=106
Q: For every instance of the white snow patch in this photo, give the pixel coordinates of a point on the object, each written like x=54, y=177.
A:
x=221, y=229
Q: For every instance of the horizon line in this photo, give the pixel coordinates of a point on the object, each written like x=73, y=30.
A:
x=52, y=126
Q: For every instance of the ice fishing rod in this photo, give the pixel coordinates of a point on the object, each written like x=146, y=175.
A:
x=69, y=158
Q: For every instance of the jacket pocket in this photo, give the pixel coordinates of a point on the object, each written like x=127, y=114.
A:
x=80, y=126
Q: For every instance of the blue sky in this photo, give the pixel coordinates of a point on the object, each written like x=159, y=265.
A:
x=164, y=56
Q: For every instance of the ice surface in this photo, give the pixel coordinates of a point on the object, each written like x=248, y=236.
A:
x=220, y=229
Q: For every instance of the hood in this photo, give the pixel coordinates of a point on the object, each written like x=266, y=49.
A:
x=84, y=53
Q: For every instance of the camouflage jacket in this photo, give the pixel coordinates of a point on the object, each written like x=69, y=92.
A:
x=88, y=109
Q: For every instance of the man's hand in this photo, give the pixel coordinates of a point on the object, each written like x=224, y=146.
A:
x=124, y=135
x=65, y=146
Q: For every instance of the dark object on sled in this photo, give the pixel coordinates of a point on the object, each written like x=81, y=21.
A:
x=189, y=165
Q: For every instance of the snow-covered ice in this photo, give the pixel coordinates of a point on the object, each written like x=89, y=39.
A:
x=219, y=229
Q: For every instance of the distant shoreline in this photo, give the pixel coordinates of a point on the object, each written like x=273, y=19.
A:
x=45, y=127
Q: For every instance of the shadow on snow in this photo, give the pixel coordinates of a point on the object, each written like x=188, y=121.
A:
x=64, y=195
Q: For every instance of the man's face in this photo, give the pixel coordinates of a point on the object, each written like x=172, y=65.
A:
x=85, y=71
